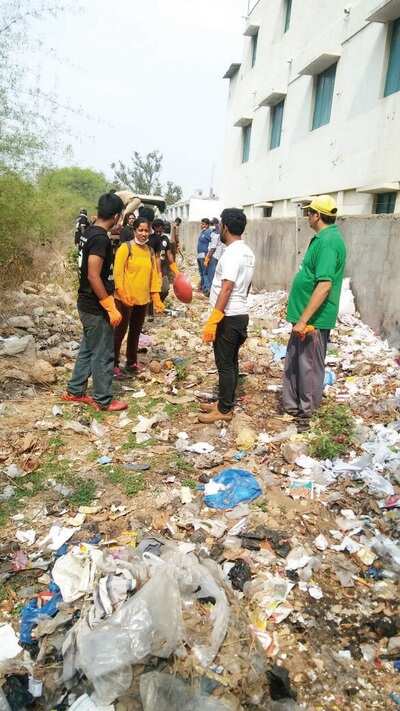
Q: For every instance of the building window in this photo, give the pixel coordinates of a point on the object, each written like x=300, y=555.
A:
x=267, y=211
x=325, y=85
x=288, y=14
x=246, y=140
x=385, y=203
x=393, y=73
x=254, y=43
x=276, y=124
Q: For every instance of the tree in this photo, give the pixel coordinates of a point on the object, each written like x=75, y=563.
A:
x=86, y=183
x=172, y=193
x=142, y=176
x=24, y=132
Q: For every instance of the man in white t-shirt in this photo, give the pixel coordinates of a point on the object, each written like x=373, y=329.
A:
x=227, y=325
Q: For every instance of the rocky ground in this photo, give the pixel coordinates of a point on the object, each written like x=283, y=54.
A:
x=287, y=600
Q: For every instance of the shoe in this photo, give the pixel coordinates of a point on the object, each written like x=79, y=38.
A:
x=80, y=399
x=118, y=373
x=135, y=368
x=215, y=416
x=302, y=423
x=208, y=406
x=114, y=406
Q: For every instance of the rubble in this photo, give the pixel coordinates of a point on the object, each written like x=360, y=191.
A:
x=140, y=568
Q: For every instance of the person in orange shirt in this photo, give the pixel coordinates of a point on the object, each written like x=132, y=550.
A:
x=137, y=283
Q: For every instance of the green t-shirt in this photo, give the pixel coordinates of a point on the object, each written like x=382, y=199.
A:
x=325, y=260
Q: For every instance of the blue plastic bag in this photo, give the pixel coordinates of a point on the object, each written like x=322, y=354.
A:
x=240, y=486
x=31, y=613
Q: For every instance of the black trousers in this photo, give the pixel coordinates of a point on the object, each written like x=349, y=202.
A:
x=231, y=334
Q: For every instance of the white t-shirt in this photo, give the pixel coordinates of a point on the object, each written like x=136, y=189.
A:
x=236, y=264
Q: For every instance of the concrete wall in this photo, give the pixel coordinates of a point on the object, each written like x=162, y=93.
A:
x=358, y=148
x=373, y=245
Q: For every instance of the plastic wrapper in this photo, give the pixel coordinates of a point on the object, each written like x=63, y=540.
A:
x=164, y=692
x=150, y=622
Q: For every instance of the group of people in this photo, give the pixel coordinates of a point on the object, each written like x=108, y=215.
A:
x=124, y=270
x=145, y=257
x=209, y=250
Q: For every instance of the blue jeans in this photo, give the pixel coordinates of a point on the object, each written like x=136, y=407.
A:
x=95, y=358
x=204, y=282
x=211, y=270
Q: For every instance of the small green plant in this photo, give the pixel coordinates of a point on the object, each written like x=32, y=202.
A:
x=132, y=444
x=172, y=410
x=84, y=492
x=181, y=371
x=179, y=462
x=332, y=431
x=191, y=483
x=131, y=483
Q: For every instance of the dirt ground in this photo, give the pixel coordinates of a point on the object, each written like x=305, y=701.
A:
x=334, y=643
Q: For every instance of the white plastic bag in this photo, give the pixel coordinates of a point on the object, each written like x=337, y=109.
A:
x=164, y=692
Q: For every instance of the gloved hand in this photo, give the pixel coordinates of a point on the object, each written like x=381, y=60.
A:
x=207, y=261
x=174, y=269
x=210, y=327
x=306, y=331
x=157, y=303
x=114, y=315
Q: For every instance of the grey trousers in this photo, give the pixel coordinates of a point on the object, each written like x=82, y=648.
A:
x=95, y=358
x=303, y=380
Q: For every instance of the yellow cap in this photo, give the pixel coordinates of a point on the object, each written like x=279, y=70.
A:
x=324, y=204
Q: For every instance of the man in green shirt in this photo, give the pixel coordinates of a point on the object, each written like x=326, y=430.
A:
x=312, y=309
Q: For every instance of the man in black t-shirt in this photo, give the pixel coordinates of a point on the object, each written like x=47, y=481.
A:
x=97, y=311
x=160, y=243
x=82, y=221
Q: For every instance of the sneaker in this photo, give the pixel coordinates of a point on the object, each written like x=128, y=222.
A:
x=118, y=373
x=80, y=399
x=114, y=406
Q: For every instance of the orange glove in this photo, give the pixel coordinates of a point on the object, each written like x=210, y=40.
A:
x=210, y=327
x=308, y=329
x=157, y=303
x=114, y=315
x=174, y=269
x=207, y=261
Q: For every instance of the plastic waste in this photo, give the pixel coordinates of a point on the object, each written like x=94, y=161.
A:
x=278, y=351
x=239, y=574
x=235, y=486
x=73, y=573
x=395, y=697
x=279, y=684
x=330, y=377
x=16, y=691
x=7, y=493
x=297, y=558
x=165, y=692
x=32, y=613
x=9, y=647
x=148, y=623
x=246, y=438
x=388, y=550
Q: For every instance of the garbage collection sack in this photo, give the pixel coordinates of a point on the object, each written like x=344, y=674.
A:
x=230, y=487
x=164, y=692
x=150, y=622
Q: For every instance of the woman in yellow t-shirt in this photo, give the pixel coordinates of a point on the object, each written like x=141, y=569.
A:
x=137, y=282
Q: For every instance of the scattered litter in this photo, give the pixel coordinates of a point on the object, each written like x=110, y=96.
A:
x=233, y=487
x=9, y=647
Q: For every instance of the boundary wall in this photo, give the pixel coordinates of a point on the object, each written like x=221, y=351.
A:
x=373, y=261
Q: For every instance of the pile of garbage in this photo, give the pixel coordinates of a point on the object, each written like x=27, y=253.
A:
x=245, y=572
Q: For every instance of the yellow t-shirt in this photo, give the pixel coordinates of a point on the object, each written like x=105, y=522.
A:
x=136, y=276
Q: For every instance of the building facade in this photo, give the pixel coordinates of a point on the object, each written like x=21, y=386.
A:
x=195, y=208
x=314, y=107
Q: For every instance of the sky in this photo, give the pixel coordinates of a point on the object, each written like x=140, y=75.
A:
x=149, y=73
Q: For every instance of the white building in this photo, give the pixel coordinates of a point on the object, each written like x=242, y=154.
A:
x=195, y=208
x=314, y=107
